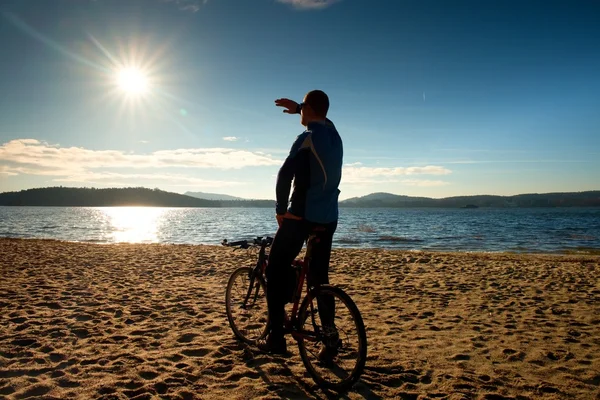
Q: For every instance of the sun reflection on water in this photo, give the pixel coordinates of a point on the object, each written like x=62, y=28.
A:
x=134, y=224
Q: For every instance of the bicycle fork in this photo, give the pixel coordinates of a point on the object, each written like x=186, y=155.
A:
x=249, y=292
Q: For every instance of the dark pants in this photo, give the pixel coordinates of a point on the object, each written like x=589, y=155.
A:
x=286, y=245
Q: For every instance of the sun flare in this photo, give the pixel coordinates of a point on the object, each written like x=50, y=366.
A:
x=132, y=81
x=134, y=224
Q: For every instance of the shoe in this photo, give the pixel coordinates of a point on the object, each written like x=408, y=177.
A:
x=273, y=345
x=330, y=349
x=327, y=353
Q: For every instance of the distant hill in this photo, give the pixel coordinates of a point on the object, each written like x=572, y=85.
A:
x=90, y=197
x=226, y=200
x=211, y=196
x=380, y=199
x=572, y=199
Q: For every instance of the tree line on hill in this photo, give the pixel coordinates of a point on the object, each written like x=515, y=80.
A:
x=139, y=196
x=92, y=197
x=570, y=199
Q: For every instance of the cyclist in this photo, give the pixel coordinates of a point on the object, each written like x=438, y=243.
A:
x=315, y=165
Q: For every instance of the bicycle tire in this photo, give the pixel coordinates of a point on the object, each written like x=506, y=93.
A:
x=249, y=322
x=324, y=375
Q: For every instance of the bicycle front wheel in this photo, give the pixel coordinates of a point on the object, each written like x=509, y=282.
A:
x=246, y=305
x=332, y=339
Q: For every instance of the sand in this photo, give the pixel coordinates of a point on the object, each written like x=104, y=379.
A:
x=87, y=321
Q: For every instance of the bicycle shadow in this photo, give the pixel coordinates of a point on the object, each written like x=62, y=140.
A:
x=297, y=387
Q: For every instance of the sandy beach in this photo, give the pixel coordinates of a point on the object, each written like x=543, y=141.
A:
x=127, y=321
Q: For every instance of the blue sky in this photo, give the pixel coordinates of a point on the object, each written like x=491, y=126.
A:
x=432, y=98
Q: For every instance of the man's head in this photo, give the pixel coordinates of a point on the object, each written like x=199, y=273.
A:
x=314, y=107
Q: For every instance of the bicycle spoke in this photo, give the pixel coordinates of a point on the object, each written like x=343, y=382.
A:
x=337, y=358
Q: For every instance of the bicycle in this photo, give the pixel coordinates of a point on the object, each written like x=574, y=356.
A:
x=247, y=313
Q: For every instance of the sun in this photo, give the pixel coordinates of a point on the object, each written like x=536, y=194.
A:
x=133, y=81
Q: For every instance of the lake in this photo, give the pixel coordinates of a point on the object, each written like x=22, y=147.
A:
x=549, y=230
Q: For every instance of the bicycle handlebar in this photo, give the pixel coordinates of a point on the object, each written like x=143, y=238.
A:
x=244, y=244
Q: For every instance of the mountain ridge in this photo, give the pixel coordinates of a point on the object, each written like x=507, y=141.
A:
x=93, y=197
x=556, y=199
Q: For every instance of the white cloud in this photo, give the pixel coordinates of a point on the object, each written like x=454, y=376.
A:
x=309, y=4
x=272, y=150
x=4, y=170
x=29, y=141
x=76, y=164
x=360, y=174
x=230, y=138
x=109, y=167
x=35, y=154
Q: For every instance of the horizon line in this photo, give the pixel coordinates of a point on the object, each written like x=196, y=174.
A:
x=238, y=198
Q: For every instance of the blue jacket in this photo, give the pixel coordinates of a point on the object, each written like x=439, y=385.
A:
x=315, y=165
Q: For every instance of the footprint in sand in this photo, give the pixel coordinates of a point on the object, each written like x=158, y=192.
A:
x=6, y=390
x=52, y=306
x=495, y=396
x=219, y=367
x=161, y=387
x=57, y=374
x=516, y=356
x=141, y=393
x=22, y=327
x=594, y=380
x=187, y=338
x=460, y=357
x=56, y=357
x=560, y=355
x=67, y=383
x=46, y=349
x=35, y=391
x=106, y=390
x=141, y=332
x=212, y=328
x=237, y=376
x=24, y=342
x=80, y=332
x=426, y=314
x=200, y=352
x=131, y=384
x=83, y=317
x=175, y=357
x=148, y=375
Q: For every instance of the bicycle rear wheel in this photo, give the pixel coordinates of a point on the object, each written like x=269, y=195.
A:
x=246, y=305
x=346, y=341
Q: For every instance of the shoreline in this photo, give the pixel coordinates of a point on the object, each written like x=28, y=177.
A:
x=145, y=321
x=591, y=252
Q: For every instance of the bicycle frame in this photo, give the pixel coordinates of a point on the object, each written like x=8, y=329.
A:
x=261, y=265
x=291, y=321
